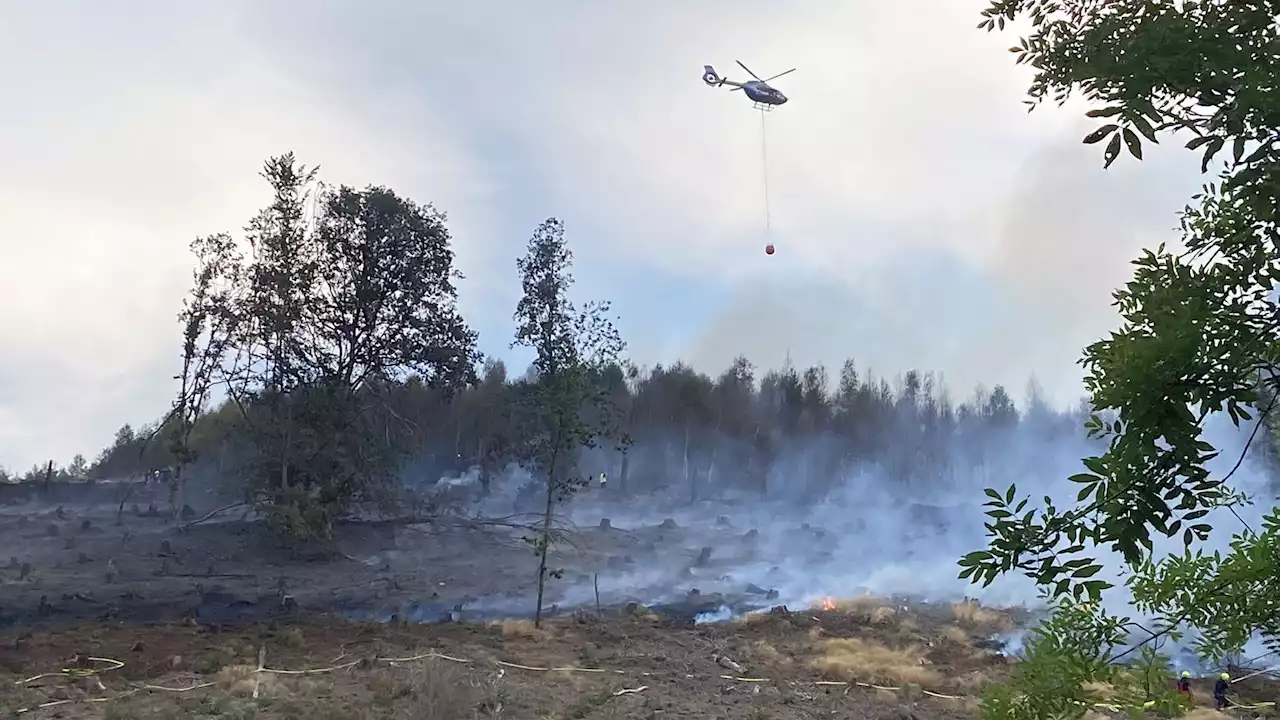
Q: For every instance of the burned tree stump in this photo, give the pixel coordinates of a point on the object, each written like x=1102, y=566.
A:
x=669, y=524
x=605, y=524
x=704, y=557
x=620, y=562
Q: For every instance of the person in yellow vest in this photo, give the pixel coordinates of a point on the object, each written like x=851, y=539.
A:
x=1184, y=688
x=603, y=480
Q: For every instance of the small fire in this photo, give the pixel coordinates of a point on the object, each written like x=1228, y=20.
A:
x=828, y=603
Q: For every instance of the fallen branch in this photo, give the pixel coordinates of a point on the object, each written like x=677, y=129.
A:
x=199, y=520
x=197, y=686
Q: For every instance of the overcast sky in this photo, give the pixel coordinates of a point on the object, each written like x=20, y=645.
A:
x=922, y=217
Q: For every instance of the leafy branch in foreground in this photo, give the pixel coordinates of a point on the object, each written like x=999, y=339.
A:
x=1199, y=325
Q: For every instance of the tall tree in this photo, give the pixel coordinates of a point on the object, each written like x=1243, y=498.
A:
x=1199, y=331
x=207, y=317
x=333, y=308
x=567, y=405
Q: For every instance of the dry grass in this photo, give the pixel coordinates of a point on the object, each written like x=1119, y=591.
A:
x=242, y=679
x=1105, y=692
x=971, y=615
x=1205, y=714
x=881, y=615
x=763, y=651
x=863, y=603
x=957, y=635
x=433, y=690
x=436, y=690
x=866, y=608
x=523, y=629
x=865, y=661
x=791, y=650
x=974, y=681
x=968, y=705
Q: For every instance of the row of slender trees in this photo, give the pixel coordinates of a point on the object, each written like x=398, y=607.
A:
x=676, y=426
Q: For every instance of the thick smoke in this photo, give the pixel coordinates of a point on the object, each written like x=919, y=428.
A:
x=861, y=528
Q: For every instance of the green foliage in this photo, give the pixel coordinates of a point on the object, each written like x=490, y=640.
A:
x=1242, y=598
x=305, y=334
x=1063, y=655
x=566, y=405
x=1199, y=325
x=1069, y=667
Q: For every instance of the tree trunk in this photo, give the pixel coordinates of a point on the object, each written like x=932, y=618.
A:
x=764, y=470
x=690, y=480
x=544, y=542
x=284, y=448
x=711, y=466
x=175, y=493
x=622, y=475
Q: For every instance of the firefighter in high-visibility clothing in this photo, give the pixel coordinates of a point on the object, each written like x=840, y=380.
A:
x=1220, y=690
x=603, y=480
x=1184, y=687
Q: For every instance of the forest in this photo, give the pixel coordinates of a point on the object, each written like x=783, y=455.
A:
x=740, y=417
x=329, y=336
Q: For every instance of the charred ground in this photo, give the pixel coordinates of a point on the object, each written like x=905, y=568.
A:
x=185, y=607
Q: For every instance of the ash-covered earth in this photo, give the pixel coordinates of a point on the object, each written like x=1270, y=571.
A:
x=93, y=558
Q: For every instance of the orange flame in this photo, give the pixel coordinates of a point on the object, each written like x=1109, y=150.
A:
x=828, y=604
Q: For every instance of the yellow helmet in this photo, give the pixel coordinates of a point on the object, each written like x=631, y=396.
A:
x=1225, y=676
x=1186, y=673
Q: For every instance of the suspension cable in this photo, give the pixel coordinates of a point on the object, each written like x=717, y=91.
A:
x=764, y=164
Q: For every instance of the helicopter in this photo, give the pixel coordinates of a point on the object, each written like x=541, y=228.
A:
x=761, y=93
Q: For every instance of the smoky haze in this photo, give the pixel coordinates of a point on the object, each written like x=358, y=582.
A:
x=756, y=488
x=835, y=518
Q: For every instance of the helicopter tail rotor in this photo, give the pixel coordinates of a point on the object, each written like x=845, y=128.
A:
x=710, y=77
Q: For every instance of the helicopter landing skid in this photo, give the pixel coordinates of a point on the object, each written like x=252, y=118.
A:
x=763, y=107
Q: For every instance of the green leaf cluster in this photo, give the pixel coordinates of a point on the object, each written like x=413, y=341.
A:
x=1200, y=323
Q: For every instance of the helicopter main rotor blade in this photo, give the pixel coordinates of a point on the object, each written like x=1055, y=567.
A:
x=744, y=67
x=775, y=77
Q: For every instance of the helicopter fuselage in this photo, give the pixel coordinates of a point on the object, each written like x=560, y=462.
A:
x=762, y=93
x=758, y=90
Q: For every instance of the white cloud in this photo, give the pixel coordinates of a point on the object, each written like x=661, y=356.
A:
x=125, y=146
x=904, y=148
